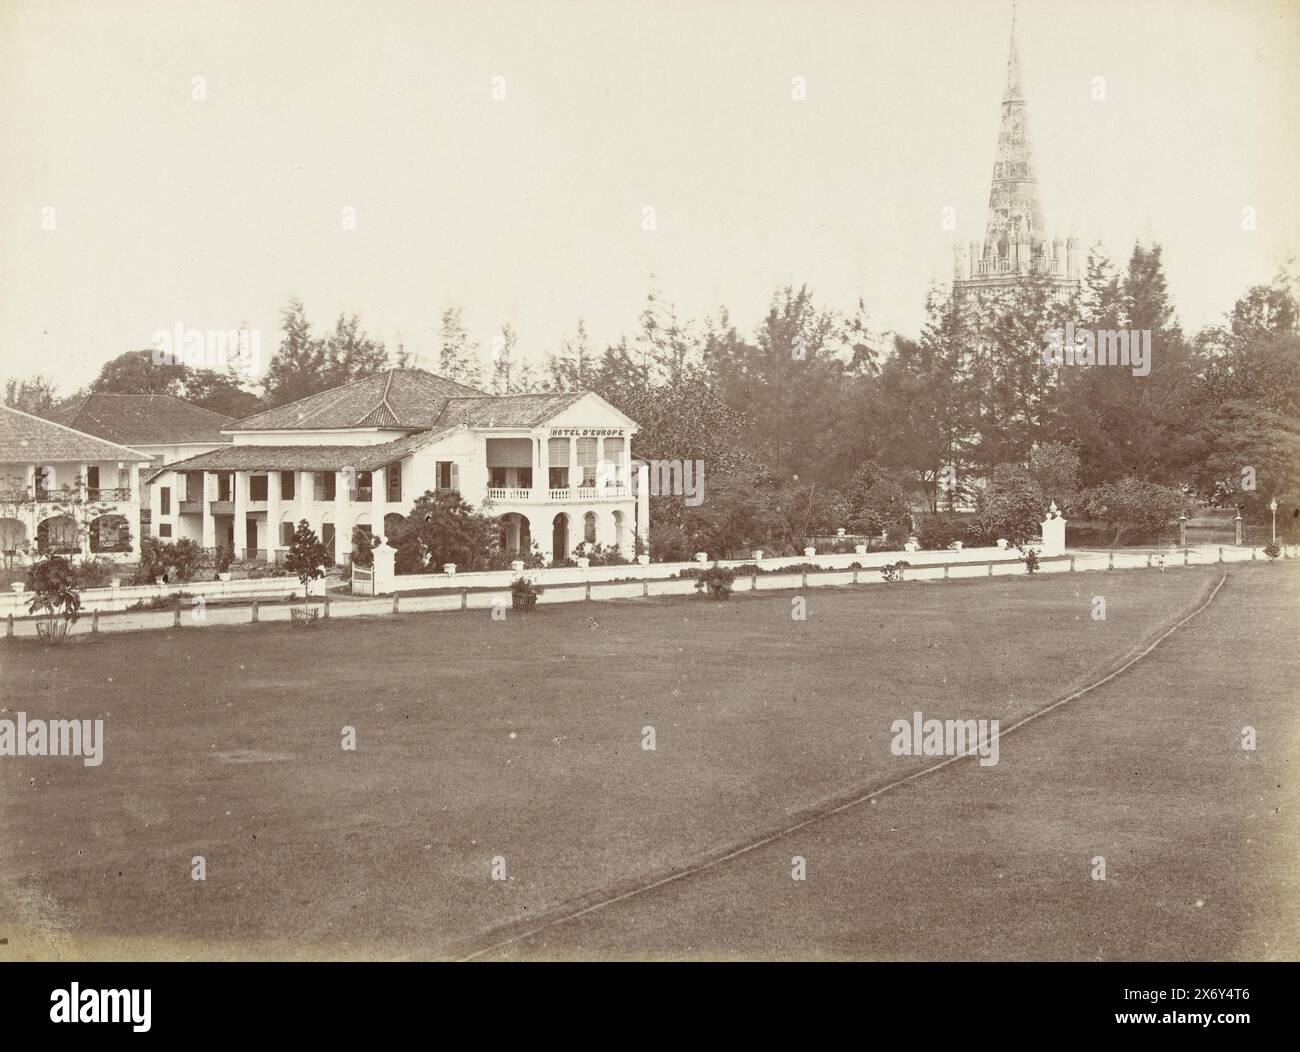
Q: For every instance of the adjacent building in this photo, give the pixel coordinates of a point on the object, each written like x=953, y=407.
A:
x=555, y=468
x=164, y=426
x=63, y=490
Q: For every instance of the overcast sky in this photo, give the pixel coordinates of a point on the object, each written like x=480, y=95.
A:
x=529, y=210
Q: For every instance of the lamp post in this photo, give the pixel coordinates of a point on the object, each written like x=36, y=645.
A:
x=1272, y=506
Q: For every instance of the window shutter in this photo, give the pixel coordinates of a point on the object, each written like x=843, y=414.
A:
x=455, y=477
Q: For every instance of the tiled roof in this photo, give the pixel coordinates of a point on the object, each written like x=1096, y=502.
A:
x=143, y=419
x=394, y=398
x=523, y=410
x=27, y=439
x=304, y=458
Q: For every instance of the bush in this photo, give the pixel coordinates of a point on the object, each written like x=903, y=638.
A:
x=1272, y=551
x=718, y=580
x=599, y=555
x=894, y=571
x=939, y=532
x=1030, y=557
x=95, y=573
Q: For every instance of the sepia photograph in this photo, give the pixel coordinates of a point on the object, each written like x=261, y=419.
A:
x=617, y=482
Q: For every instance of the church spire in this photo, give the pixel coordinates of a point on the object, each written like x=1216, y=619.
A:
x=1015, y=212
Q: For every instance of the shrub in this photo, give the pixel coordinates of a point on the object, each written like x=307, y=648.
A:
x=718, y=580
x=894, y=571
x=1030, y=557
x=599, y=555
x=939, y=532
x=223, y=558
x=1272, y=551
x=94, y=573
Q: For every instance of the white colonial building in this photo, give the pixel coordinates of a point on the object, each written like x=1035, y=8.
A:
x=62, y=490
x=555, y=468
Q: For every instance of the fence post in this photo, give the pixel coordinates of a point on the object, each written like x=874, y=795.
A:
x=645, y=589
x=9, y=625
x=945, y=571
x=991, y=568
x=855, y=575
x=1187, y=557
x=395, y=594
x=753, y=582
x=900, y=571
x=253, y=617
x=805, y=578
x=464, y=598
x=1148, y=560
x=176, y=620
x=1071, y=564
x=1110, y=561
x=1220, y=555
x=327, y=606
x=1252, y=553
x=94, y=621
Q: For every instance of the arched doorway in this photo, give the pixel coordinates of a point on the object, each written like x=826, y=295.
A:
x=516, y=534
x=110, y=533
x=589, y=528
x=13, y=535
x=560, y=536
x=57, y=534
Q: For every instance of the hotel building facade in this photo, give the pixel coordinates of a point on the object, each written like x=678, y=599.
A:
x=555, y=469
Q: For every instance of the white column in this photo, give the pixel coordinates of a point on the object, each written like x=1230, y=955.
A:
x=342, y=519
x=137, y=497
x=272, y=514
x=378, y=501
x=542, y=477
x=207, y=493
x=643, y=505
x=239, y=483
x=573, y=465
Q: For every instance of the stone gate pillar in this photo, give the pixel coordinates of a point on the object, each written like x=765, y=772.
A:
x=1054, y=532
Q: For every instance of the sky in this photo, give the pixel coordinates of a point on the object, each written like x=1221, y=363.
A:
x=134, y=197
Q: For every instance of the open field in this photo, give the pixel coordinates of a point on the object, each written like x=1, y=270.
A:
x=522, y=739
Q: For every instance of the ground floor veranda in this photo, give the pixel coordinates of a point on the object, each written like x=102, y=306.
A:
x=551, y=531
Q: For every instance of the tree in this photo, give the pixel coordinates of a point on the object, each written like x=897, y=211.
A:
x=503, y=349
x=1054, y=468
x=442, y=528
x=457, y=355
x=307, y=559
x=1011, y=506
x=1134, y=504
x=53, y=580
x=36, y=396
x=572, y=368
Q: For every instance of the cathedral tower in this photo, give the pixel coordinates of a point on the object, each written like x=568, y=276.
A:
x=1016, y=244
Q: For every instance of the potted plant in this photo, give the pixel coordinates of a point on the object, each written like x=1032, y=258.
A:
x=449, y=569
x=809, y=552
x=224, y=558
x=523, y=594
x=757, y=555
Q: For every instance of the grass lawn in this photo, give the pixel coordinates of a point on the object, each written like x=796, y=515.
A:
x=522, y=739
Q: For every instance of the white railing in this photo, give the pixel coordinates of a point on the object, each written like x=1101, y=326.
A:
x=509, y=494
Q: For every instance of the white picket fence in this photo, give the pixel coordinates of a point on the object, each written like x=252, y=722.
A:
x=579, y=585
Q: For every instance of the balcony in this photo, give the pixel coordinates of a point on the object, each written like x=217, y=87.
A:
x=509, y=493
x=116, y=493
x=559, y=496
x=191, y=507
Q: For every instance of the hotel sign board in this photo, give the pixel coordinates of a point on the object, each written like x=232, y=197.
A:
x=586, y=432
